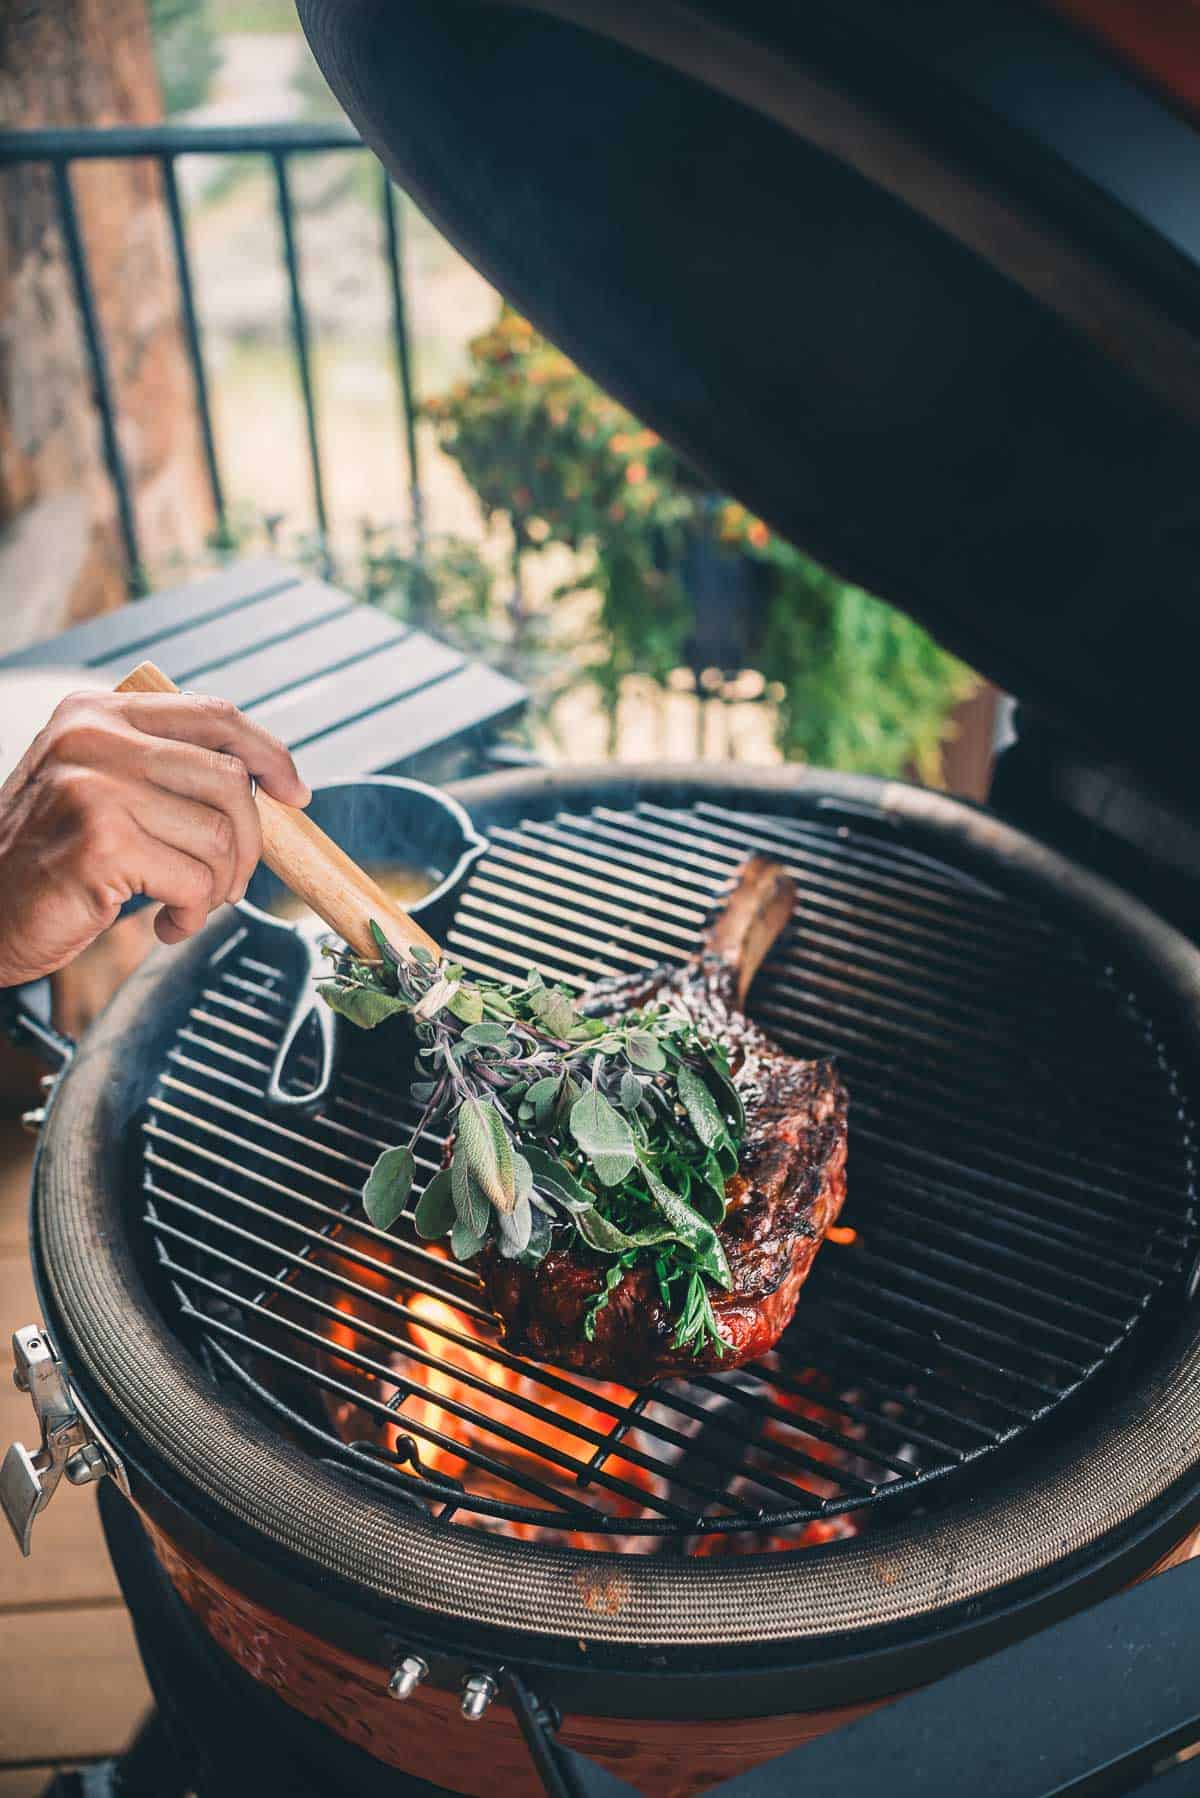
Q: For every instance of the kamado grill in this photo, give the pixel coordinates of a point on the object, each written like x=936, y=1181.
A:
x=945, y=336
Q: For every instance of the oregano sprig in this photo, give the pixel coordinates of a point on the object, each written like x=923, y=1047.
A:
x=620, y=1132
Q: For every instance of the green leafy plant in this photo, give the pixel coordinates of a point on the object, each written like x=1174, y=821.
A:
x=861, y=686
x=186, y=50
x=615, y=1135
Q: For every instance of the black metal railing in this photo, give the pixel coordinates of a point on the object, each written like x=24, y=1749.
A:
x=164, y=145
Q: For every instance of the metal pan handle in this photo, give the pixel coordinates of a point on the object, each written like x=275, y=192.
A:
x=310, y=1015
x=25, y=1018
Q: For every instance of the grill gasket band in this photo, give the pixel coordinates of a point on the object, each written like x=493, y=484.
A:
x=113, y=1338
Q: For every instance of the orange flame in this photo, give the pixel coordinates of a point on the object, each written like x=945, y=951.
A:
x=555, y=1449
x=468, y=1396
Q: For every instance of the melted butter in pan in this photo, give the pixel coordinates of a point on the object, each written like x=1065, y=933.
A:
x=400, y=881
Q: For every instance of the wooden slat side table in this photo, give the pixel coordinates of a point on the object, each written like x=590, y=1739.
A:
x=348, y=689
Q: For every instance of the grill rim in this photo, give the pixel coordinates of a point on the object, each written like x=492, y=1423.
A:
x=85, y=1263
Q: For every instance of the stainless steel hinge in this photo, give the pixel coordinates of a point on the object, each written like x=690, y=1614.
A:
x=70, y=1444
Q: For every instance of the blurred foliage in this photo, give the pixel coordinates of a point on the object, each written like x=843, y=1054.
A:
x=186, y=51
x=863, y=687
x=448, y=586
x=275, y=17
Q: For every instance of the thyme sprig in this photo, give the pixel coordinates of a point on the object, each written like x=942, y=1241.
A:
x=616, y=1133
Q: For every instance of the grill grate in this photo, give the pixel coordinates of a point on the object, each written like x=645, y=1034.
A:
x=1020, y=1181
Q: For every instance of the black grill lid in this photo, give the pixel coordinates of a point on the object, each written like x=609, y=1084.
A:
x=917, y=284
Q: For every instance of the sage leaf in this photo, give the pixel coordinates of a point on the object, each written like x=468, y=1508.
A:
x=484, y=1142
x=571, y=1090
x=645, y=1051
x=607, y=1238
x=541, y=1235
x=586, y=1028
x=688, y=1227
x=466, y=1002
x=485, y=1036
x=465, y=1244
x=604, y=1136
x=515, y=1227
x=704, y=1114
x=435, y=1213
x=711, y=1261
x=555, y=1012
x=388, y=1186
x=631, y=1092
x=728, y=1095
x=553, y=1179
x=522, y=1178
x=365, y=1006
x=542, y=1098
x=708, y=1196
x=470, y=1204
x=727, y=1158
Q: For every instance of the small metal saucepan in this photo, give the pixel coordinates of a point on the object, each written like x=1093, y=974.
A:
x=381, y=822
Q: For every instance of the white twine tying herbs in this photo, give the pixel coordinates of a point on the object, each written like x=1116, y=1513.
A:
x=619, y=1131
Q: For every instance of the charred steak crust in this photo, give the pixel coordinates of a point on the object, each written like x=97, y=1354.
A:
x=789, y=1187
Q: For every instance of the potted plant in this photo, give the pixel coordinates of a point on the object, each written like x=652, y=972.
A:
x=687, y=577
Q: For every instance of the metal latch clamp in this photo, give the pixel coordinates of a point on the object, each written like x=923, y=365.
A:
x=70, y=1444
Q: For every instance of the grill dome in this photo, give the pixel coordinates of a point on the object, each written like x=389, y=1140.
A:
x=884, y=273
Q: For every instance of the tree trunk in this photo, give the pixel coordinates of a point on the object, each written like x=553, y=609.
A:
x=86, y=63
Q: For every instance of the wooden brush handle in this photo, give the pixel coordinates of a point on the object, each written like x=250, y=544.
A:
x=311, y=864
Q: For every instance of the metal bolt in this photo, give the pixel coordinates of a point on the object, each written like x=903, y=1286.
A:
x=407, y=1676
x=478, y=1691
x=85, y=1465
x=33, y=1120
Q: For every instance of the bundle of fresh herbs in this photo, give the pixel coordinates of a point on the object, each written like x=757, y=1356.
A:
x=615, y=1135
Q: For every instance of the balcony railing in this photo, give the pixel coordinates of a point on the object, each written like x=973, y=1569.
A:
x=165, y=145
x=278, y=146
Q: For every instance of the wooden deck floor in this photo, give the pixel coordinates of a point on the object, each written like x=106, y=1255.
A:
x=71, y=1684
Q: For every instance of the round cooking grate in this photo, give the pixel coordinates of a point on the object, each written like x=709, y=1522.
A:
x=1020, y=1190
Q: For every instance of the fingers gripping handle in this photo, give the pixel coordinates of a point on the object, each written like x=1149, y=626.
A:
x=312, y=865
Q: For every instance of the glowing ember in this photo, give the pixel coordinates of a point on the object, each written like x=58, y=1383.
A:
x=819, y=1406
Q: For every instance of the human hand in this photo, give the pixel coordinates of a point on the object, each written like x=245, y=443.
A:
x=124, y=794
